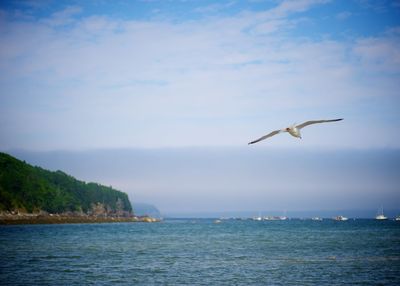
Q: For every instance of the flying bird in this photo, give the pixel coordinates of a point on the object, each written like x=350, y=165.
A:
x=294, y=130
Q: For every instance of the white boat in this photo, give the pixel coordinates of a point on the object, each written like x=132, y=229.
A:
x=381, y=216
x=283, y=217
x=258, y=218
x=274, y=218
x=316, y=218
x=397, y=218
x=341, y=218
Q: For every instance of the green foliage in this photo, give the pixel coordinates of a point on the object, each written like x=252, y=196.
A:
x=29, y=188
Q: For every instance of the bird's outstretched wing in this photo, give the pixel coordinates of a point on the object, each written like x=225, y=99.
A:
x=266, y=136
x=316, y=121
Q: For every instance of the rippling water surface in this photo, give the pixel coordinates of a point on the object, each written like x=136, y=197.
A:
x=199, y=252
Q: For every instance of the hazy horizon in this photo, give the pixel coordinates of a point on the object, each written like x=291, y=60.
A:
x=216, y=180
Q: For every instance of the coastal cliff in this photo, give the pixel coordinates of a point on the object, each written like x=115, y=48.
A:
x=29, y=193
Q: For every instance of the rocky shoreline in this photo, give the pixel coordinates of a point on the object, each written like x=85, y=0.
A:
x=40, y=218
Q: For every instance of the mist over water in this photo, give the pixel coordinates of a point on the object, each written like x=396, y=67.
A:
x=240, y=181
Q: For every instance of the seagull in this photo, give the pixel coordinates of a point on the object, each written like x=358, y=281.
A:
x=294, y=130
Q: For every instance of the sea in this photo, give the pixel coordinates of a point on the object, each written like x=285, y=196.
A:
x=203, y=252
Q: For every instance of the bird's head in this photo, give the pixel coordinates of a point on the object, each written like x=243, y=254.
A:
x=292, y=127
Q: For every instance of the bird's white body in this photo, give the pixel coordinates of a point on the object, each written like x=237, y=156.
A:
x=294, y=130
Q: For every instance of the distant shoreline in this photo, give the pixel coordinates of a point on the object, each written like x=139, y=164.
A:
x=65, y=219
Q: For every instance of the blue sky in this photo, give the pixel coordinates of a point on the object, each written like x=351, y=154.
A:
x=177, y=75
x=91, y=74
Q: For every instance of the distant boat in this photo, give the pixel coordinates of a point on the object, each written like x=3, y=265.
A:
x=381, y=216
x=258, y=218
x=275, y=218
x=283, y=217
x=397, y=218
x=269, y=218
x=341, y=218
x=217, y=221
x=316, y=218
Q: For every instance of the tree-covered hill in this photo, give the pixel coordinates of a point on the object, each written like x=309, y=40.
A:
x=30, y=189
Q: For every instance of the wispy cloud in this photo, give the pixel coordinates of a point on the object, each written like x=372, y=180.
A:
x=379, y=55
x=64, y=17
x=343, y=15
x=219, y=81
x=33, y=4
x=291, y=6
x=214, y=7
x=377, y=6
